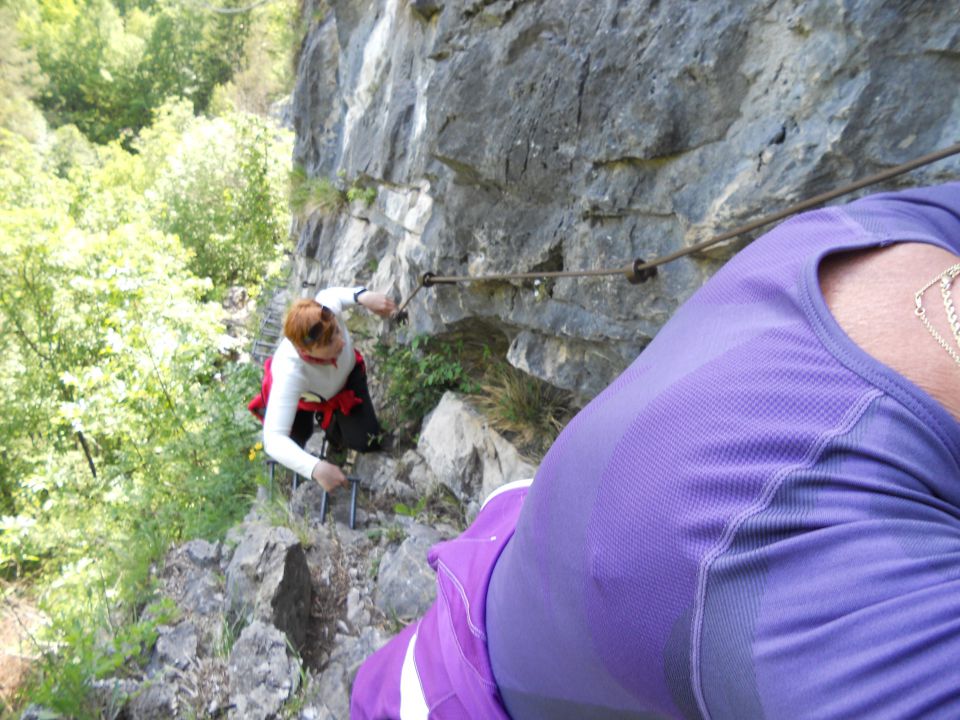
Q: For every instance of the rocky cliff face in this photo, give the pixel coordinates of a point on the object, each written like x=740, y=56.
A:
x=519, y=135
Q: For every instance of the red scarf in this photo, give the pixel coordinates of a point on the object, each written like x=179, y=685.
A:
x=309, y=359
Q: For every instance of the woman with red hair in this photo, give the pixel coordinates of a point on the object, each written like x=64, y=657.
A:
x=315, y=374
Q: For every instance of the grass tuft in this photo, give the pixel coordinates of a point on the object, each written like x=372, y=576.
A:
x=529, y=411
x=309, y=195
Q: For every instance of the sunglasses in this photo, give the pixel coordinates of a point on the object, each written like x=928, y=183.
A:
x=316, y=330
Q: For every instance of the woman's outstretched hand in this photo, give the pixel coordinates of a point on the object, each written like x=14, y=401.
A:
x=378, y=303
x=329, y=476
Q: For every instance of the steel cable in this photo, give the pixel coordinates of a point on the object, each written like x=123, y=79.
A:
x=641, y=270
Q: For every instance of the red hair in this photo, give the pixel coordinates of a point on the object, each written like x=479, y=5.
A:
x=309, y=324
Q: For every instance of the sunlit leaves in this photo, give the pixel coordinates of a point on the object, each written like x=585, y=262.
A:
x=111, y=348
x=220, y=191
x=107, y=72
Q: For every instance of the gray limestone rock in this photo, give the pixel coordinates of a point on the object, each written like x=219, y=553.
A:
x=307, y=500
x=565, y=135
x=358, y=580
x=263, y=675
x=176, y=646
x=381, y=474
x=465, y=453
x=204, y=595
x=268, y=580
x=406, y=584
x=191, y=578
x=191, y=575
x=203, y=554
x=327, y=697
x=418, y=473
x=155, y=700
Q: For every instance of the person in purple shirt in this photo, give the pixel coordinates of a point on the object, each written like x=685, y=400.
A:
x=760, y=518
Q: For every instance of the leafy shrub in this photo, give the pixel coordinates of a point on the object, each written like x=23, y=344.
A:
x=415, y=376
x=439, y=505
x=366, y=195
x=219, y=189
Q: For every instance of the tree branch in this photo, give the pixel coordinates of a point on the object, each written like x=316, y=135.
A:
x=86, y=451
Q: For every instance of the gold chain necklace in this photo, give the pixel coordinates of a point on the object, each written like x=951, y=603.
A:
x=945, y=279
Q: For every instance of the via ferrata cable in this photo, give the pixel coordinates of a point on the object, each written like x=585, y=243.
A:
x=641, y=270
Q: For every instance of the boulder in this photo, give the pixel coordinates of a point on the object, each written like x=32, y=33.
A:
x=465, y=453
x=263, y=675
x=155, y=700
x=176, y=646
x=381, y=474
x=268, y=580
x=406, y=584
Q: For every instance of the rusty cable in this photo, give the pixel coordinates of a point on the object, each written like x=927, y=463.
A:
x=642, y=270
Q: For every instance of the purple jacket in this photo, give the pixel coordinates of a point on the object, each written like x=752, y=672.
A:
x=438, y=667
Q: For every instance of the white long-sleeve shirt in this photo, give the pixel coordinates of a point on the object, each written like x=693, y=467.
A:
x=294, y=379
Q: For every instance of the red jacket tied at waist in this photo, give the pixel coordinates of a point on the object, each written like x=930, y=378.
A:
x=344, y=401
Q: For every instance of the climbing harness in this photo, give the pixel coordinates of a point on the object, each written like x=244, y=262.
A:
x=641, y=270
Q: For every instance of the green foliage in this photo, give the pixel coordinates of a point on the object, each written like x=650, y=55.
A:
x=416, y=375
x=411, y=511
x=109, y=67
x=279, y=514
x=230, y=633
x=122, y=427
x=20, y=80
x=72, y=655
x=220, y=191
x=117, y=354
x=437, y=506
x=366, y=195
x=529, y=410
x=269, y=57
x=309, y=195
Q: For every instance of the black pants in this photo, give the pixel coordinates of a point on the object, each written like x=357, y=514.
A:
x=360, y=430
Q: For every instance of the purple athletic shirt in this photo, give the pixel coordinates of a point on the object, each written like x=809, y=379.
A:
x=756, y=520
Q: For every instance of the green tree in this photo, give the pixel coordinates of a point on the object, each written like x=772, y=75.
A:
x=188, y=53
x=122, y=422
x=221, y=192
x=87, y=56
x=20, y=80
x=266, y=71
x=122, y=427
x=107, y=72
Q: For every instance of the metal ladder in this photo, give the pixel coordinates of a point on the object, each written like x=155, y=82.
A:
x=324, y=502
x=270, y=331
